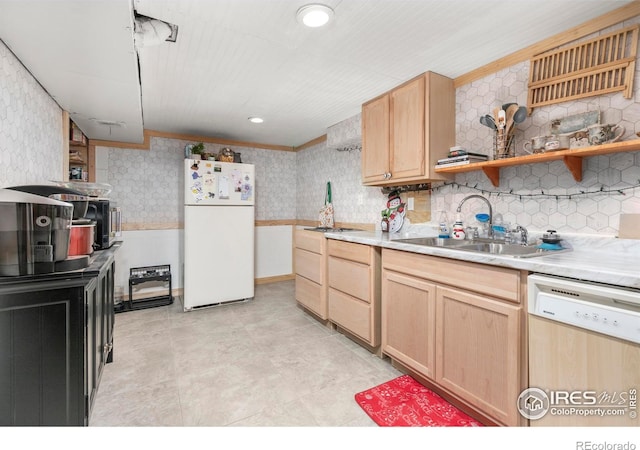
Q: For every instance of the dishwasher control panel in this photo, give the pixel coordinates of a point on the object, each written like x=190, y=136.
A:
x=601, y=308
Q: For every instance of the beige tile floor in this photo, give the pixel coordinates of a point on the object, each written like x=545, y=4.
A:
x=260, y=363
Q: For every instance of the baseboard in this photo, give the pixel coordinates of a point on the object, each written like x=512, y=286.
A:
x=179, y=291
x=275, y=279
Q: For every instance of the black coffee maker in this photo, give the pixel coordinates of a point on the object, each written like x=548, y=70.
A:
x=57, y=234
x=34, y=233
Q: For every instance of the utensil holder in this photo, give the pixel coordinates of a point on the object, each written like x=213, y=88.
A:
x=503, y=145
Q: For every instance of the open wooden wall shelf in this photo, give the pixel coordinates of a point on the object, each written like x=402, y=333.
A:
x=572, y=159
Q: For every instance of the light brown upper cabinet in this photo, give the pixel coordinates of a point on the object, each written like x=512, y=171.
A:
x=406, y=131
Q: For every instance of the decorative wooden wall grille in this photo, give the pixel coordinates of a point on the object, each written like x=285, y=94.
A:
x=600, y=66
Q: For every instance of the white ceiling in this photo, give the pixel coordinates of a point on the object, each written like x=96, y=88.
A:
x=239, y=58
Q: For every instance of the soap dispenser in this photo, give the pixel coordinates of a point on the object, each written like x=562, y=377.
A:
x=384, y=223
x=458, y=228
x=443, y=232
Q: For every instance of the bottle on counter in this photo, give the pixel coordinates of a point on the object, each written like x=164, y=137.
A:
x=443, y=231
x=483, y=228
x=384, y=223
x=500, y=227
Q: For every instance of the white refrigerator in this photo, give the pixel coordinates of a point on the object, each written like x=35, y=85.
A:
x=219, y=201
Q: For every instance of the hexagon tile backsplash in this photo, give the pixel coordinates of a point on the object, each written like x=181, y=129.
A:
x=30, y=127
x=148, y=185
x=566, y=205
x=352, y=202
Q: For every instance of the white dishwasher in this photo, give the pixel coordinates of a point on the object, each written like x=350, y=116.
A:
x=584, y=353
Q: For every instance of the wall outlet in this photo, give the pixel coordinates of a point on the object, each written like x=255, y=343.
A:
x=410, y=204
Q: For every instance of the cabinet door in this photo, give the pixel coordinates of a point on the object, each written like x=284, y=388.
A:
x=109, y=317
x=375, y=140
x=94, y=344
x=407, y=130
x=439, y=120
x=42, y=362
x=478, y=352
x=408, y=321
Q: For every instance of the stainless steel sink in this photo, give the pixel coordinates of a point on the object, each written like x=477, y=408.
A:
x=486, y=246
x=433, y=242
x=514, y=250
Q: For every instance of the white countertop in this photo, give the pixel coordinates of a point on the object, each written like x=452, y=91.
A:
x=605, y=260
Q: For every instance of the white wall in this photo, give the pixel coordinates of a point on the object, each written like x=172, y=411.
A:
x=273, y=255
x=148, y=248
x=274, y=251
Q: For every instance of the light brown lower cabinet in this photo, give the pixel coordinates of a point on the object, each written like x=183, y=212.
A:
x=354, y=290
x=478, y=351
x=461, y=329
x=311, y=271
x=408, y=321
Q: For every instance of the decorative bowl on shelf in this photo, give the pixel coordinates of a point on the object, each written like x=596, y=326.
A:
x=226, y=155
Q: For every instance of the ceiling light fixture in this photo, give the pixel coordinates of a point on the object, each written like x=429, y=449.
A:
x=256, y=119
x=109, y=123
x=314, y=15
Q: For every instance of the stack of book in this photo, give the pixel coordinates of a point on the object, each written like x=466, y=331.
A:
x=461, y=157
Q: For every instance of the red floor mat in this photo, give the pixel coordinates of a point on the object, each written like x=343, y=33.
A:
x=403, y=402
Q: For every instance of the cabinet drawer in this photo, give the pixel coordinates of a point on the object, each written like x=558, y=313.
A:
x=490, y=280
x=311, y=241
x=352, y=314
x=348, y=250
x=310, y=295
x=350, y=277
x=310, y=265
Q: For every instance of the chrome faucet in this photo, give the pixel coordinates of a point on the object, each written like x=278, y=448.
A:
x=488, y=204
